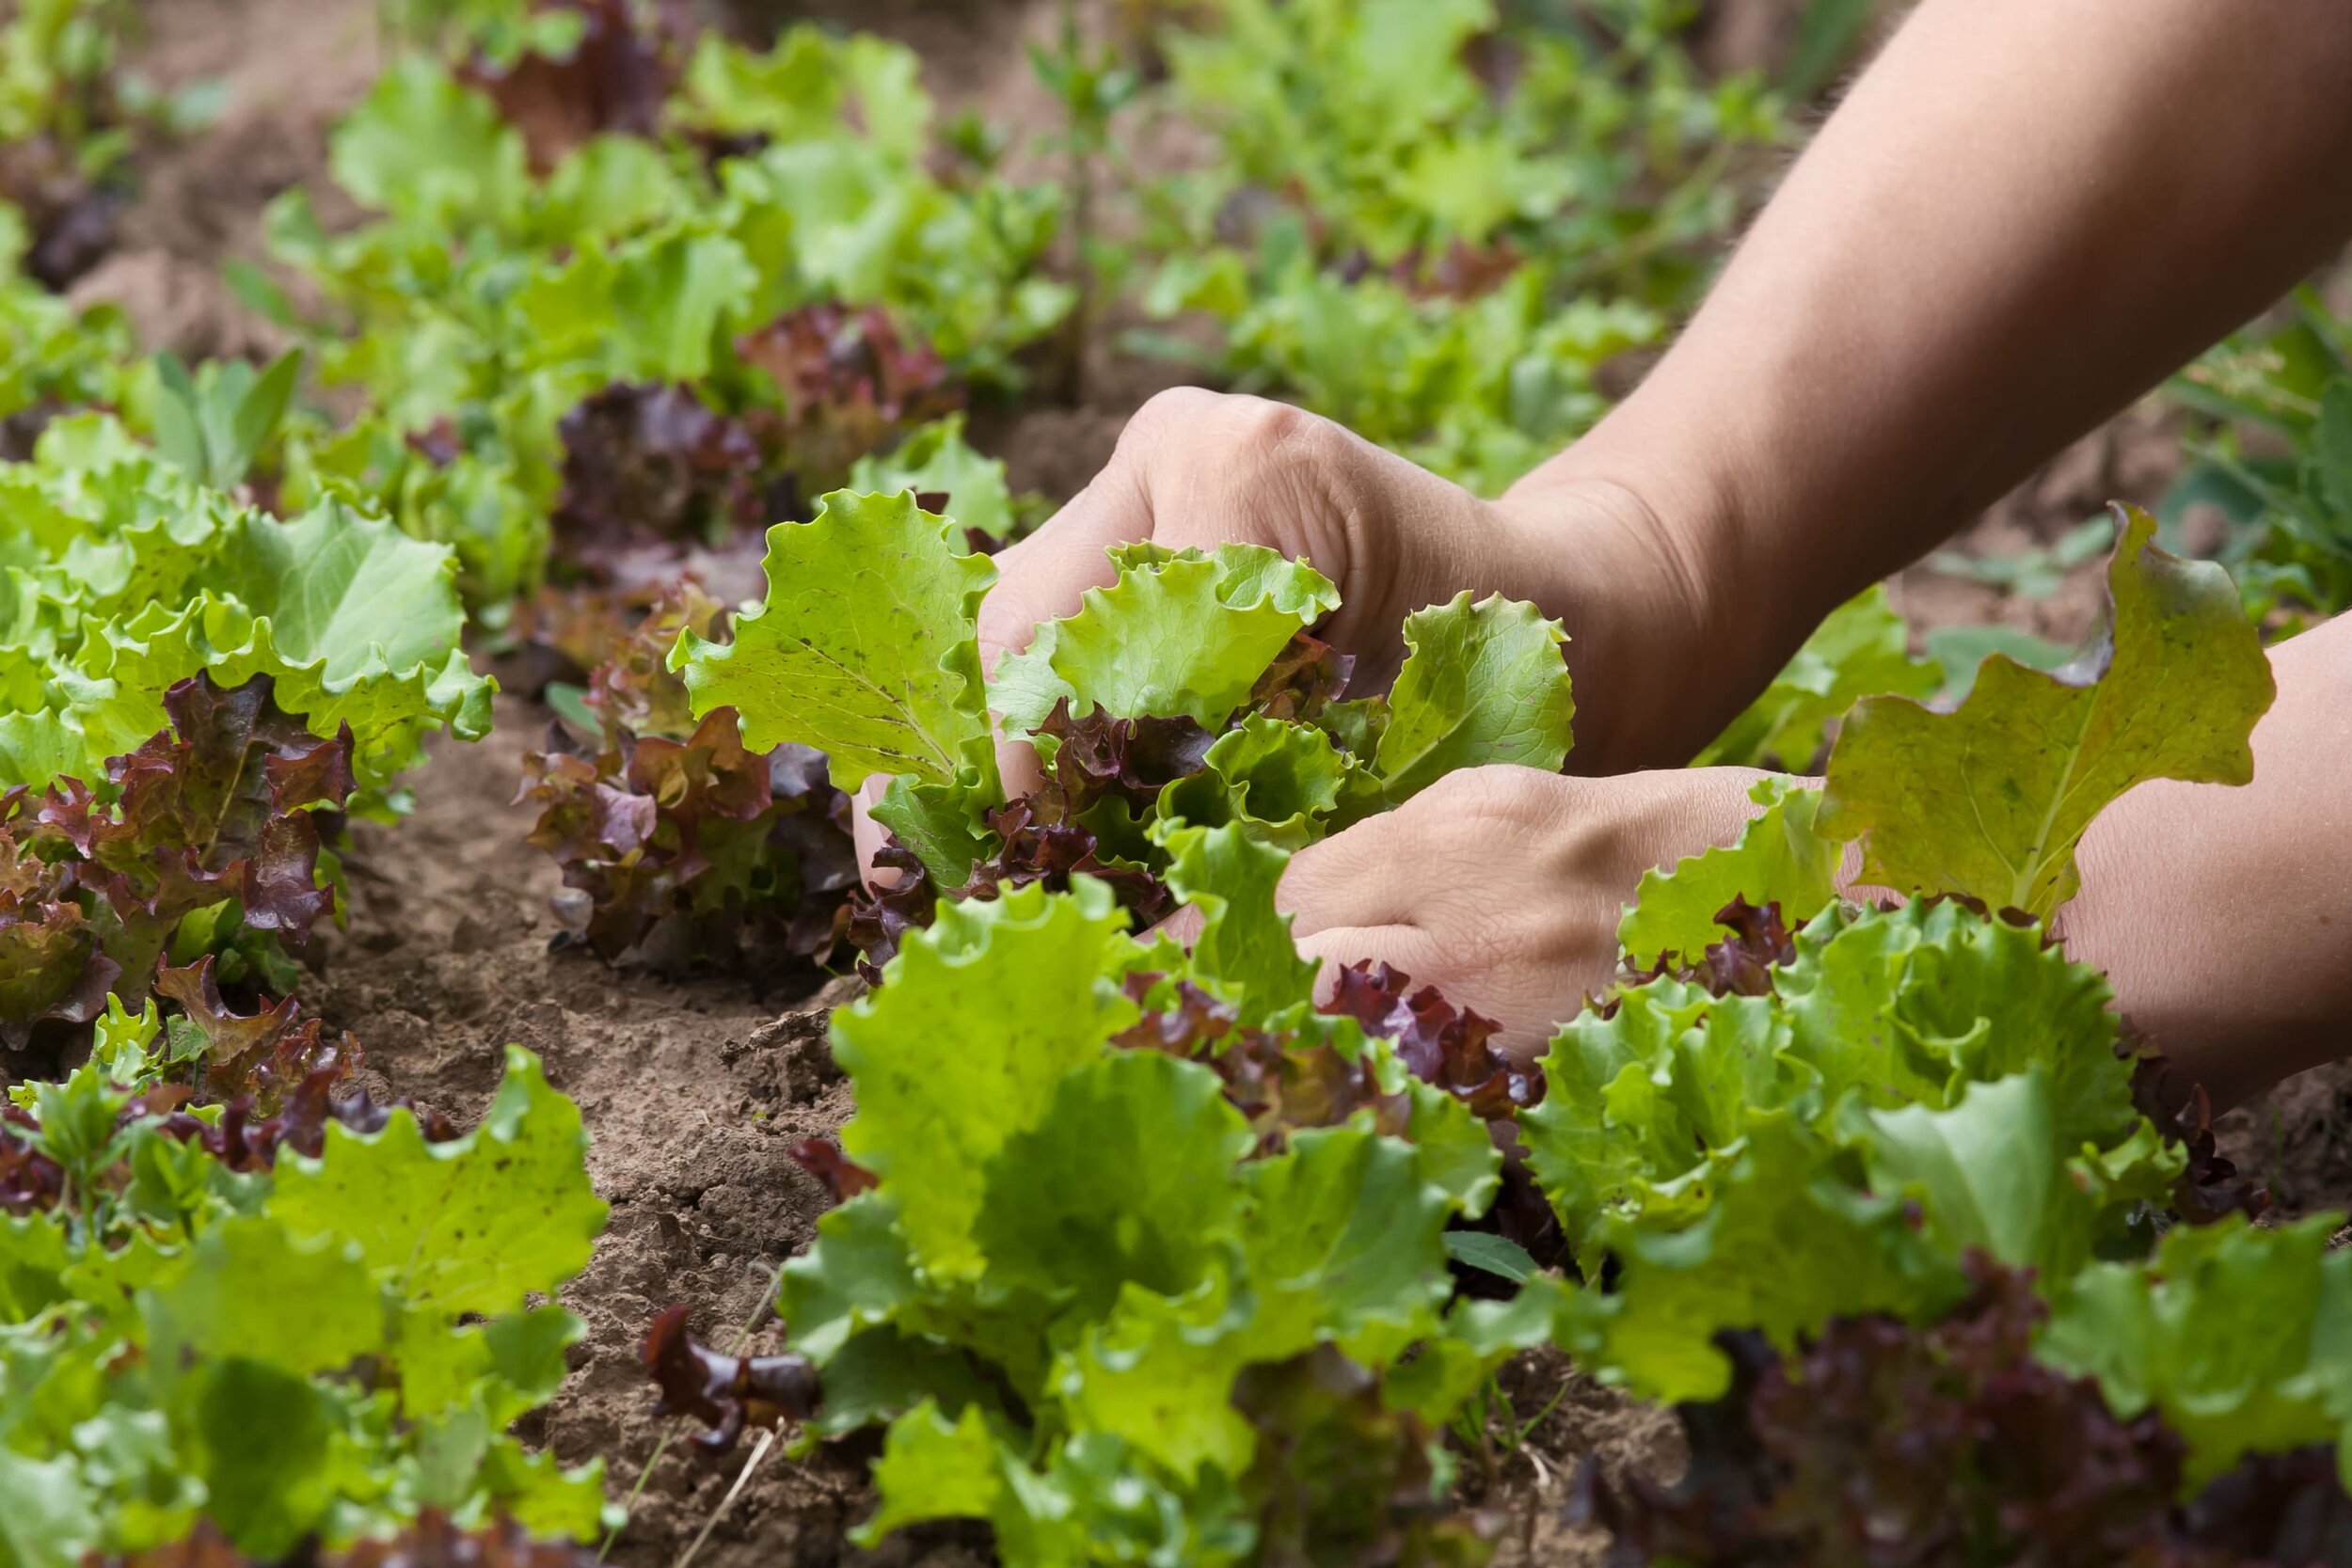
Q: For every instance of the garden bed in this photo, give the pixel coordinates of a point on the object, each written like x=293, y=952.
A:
x=695, y=1090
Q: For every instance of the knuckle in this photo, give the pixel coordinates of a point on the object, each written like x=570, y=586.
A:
x=1168, y=415
x=1309, y=442
x=1270, y=434
x=1497, y=796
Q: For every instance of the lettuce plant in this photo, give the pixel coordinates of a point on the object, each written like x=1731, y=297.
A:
x=765, y=255
x=681, y=849
x=1185, y=699
x=1092, y=1266
x=1961, y=1443
x=2274, y=457
x=1833, y=1113
x=187, y=683
x=1435, y=222
x=201, y=1320
x=131, y=577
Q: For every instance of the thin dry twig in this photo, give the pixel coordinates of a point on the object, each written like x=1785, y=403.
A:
x=759, y=1451
x=669, y=1434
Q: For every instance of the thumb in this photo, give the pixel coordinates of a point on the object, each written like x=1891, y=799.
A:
x=868, y=836
x=1045, y=577
x=1407, y=949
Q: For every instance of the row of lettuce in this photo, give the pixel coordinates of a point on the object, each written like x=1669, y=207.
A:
x=246, y=1305
x=1144, y=1258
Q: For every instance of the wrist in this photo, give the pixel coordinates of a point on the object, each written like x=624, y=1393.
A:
x=1670, y=633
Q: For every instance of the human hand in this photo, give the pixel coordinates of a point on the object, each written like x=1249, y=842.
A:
x=1196, y=467
x=1504, y=886
x=1202, y=468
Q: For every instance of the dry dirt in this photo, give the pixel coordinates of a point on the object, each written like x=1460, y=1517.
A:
x=694, y=1091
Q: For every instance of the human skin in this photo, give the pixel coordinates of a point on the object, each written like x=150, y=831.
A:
x=2023, y=216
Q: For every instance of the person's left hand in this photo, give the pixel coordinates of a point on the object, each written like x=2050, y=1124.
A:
x=1504, y=886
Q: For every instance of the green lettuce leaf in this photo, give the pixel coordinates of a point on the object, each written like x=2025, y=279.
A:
x=966, y=1043
x=936, y=460
x=865, y=647
x=231, y=1300
x=477, y=1226
x=1992, y=1174
x=1990, y=800
x=1779, y=859
x=1784, y=1246
x=48, y=1518
x=1127, y=1178
x=130, y=577
x=1244, y=950
x=426, y=149
x=1481, y=683
x=355, y=622
x=1346, y=1245
x=1911, y=1084
x=319, y=1350
x=1287, y=784
x=2237, y=1336
x=1180, y=632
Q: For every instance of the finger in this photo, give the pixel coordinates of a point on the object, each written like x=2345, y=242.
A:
x=1407, y=949
x=1045, y=575
x=1372, y=874
x=1182, y=927
x=869, y=836
x=1017, y=768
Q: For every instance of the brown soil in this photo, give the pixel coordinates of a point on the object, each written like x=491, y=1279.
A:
x=290, y=67
x=1575, y=1421
x=2297, y=1140
x=692, y=1092
x=2132, y=459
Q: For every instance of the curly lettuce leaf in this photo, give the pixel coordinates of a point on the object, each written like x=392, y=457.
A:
x=1483, y=683
x=1994, y=1175
x=966, y=1041
x=321, y=1351
x=1346, y=1246
x=936, y=460
x=428, y=149
x=1779, y=859
x=1066, y=1220
x=1784, y=1246
x=1877, y=1432
x=1990, y=800
x=477, y=1226
x=2234, y=1334
x=353, y=622
x=1287, y=785
x=865, y=648
x=1244, y=950
x=1179, y=633
x=1871, y=1043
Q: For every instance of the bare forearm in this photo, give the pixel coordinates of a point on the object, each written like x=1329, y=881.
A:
x=2224, y=915
x=2026, y=214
